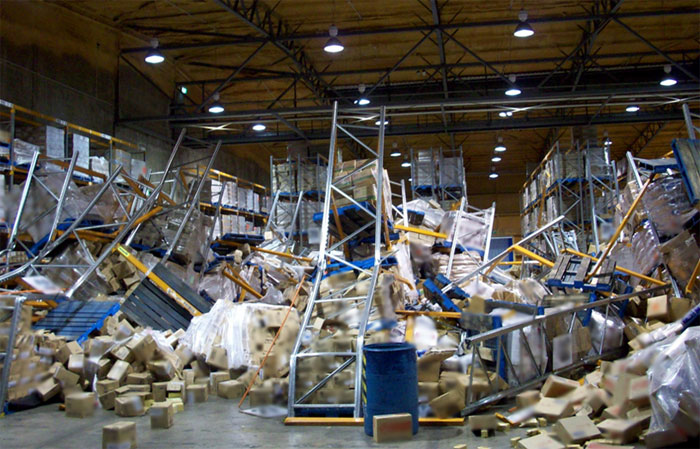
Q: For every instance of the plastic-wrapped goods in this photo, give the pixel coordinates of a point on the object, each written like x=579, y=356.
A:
x=681, y=254
x=608, y=332
x=462, y=264
x=283, y=177
x=646, y=252
x=218, y=286
x=425, y=168
x=667, y=204
x=518, y=352
x=674, y=384
x=242, y=329
x=451, y=172
x=472, y=230
x=23, y=151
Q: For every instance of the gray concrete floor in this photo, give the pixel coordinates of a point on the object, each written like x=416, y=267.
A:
x=216, y=424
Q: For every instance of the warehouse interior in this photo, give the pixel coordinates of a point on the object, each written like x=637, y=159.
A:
x=345, y=223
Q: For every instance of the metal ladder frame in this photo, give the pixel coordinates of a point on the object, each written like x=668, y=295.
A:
x=8, y=354
x=325, y=254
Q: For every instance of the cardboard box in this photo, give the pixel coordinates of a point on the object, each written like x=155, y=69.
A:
x=262, y=395
x=66, y=350
x=119, y=371
x=527, y=398
x=396, y=427
x=657, y=308
x=75, y=363
x=80, y=405
x=139, y=379
x=576, y=429
x=162, y=369
x=160, y=391
x=66, y=378
x=230, y=389
x=482, y=422
x=98, y=368
x=107, y=399
x=448, y=404
x=129, y=405
x=218, y=358
x=143, y=347
x=622, y=430
x=638, y=391
x=216, y=378
x=429, y=365
x=556, y=386
x=122, y=353
x=48, y=389
x=427, y=391
x=121, y=435
x=197, y=393
x=162, y=414
x=554, y=408
x=540, y=442
x=678, y=307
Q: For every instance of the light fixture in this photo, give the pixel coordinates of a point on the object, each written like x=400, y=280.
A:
x=154, y=56
x=499, y=148
x=505, y=114
x=668, y=80
x=259, y=127
x=183, y=90
x=607, y=142
x=523, y=29
x=395, y=151
x=405, y=163
x=378, y=122
x=496, y=159
x=333, y=45
x=632, y=108
x=513, y=89
x=362, y=101
x=216, y=107
x=493, y=175
x=410, y=179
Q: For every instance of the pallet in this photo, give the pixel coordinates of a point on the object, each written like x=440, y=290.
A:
x=75, y=320
x=572, y=272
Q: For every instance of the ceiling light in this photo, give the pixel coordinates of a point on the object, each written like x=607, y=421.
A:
x=395, y=152
x=493, y=175
x=405, y=163
x=216, y=107
x=496, y=159
x=509, y=113
x=607, y=142
x=668, y=80
x=499, y=148
x=259, y=127
x=183, y=90
x=333, y=45
x=513, y=89
x=523, y=29
x=410, y=179
x=362, y=101
x=503, y=114
x=386, y=122
x=632, y=108
x=154, y=56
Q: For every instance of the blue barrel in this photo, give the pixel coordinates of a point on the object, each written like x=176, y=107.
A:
x=390, y=382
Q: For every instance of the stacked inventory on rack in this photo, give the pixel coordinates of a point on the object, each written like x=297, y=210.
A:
x=579, y=184
x=438, y=175
x=298, y=183
x=240, y=207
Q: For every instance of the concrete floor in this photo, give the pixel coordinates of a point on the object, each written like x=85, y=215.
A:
x=215, y=424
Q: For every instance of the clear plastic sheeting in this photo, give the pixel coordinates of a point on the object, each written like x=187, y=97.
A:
x=518, y=353
x=674, y=385
x=432, y=216
x=218, y=286
x=667, y=204
x=681, y=254
x=608, y=332
x=644, y=249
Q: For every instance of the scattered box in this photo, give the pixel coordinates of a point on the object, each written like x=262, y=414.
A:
x=197, y=393
x=638, y=392
x=540, y=442
x=554, y=408
x=119, y=371
x=429, y=365
x=556, y=386
x=143, y=348
x=48, y=389
x=107, y=399
x=230, y=389
x=139, y=379
x=622, y=430
x=162, y=369
x=527, y=398
x=427, y=391
x=162, y=414
x=216, y=378
x=577, y=429
x=396, y=427
x=218, y=358
x=80, y=405
x=482, y=422
x=446, y=405
x=129, y=405
x=657, y=308
x=160, y=391
x=120, y=435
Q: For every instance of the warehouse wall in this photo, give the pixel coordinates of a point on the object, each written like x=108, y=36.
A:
x=65, y=65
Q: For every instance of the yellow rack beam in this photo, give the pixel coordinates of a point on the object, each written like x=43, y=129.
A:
x=320, y=421
x=618, y=268
x=452, y=315
x=420, y=231
x=527, y=253
x=693, y=278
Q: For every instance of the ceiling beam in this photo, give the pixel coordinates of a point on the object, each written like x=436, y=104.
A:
x=270, y=28
x=441, y=46
x=462, y=127
x=289, y=37
x=645, y=137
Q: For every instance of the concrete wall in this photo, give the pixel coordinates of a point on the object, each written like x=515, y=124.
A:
x=68, y=66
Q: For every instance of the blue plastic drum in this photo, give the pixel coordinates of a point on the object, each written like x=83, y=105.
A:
x=390, y=382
